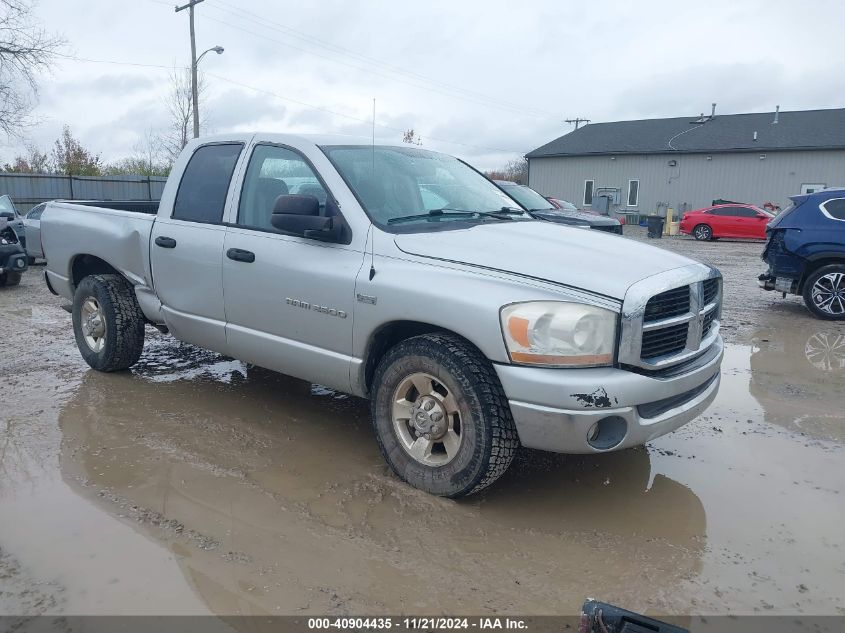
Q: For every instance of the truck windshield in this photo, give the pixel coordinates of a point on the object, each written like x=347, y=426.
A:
x=409, y=183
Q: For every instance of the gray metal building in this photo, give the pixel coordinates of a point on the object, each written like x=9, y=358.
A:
x=687, y=162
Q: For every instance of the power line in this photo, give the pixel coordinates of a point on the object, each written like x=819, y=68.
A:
x=577, y=121
x=119, y=63
x=301, y=35
x=291, y=99
x=417, y=80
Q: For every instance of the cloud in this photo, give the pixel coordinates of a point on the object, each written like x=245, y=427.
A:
x=482, y=77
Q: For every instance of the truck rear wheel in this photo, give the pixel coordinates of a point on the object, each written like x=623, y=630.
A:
x=824, y=292
x=107, y=322
x=441, y=417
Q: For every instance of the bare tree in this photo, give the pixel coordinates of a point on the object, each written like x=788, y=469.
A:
x=25, y=50
x=409, y=136
x=515, y=171
x=180, y=109
x=147, y=158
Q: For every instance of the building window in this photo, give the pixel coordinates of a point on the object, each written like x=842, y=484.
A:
x=588, y=192
x=812, y=187
x=633, y=192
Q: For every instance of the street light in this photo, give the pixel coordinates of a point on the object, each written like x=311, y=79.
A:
x=217, y=49
x=194, y=88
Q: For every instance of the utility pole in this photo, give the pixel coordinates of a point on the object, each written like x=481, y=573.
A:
x=194, y=95
x=577, y=121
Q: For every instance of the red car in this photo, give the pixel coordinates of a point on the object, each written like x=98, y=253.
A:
x=726, y=220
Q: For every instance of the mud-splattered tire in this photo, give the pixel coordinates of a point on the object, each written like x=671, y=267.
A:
x=488, y=438
x=702, y=232
x=10, y=279
x=119, y=320
x=824, y=292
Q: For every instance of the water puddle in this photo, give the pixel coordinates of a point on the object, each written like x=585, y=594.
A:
x=235, y=490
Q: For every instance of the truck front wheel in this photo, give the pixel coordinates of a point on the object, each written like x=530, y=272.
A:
x=441, y=417
x=107, y=322
x=824, y=292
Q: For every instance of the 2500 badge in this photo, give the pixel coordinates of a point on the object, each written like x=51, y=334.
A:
x=296, y=303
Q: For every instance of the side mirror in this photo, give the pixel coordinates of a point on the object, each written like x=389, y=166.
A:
x=300, y=216
x=7, y=215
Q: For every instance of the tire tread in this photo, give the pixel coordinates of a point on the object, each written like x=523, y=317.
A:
x=494, y=403
x=128, y=323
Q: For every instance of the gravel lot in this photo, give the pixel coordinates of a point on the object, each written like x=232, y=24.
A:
x=195, y=484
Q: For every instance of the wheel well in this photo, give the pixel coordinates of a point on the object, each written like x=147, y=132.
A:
x=389, y=336
x=86, y=265
x=813, y=265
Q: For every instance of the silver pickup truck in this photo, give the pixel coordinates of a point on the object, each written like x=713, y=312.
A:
x=406, y=277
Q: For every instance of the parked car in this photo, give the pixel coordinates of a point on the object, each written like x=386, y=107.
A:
x=562, y=204
x=13, y=261
x=806, y=252
x=472, y=327
x=7, y=206
x=726, y=220
x=540, y=206
x=32, y=227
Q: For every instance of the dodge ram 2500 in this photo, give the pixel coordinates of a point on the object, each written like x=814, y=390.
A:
x=406, y=277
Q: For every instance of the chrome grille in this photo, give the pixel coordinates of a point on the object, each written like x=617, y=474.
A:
x=667, y=340
x=665, y=324
x=711, y=289
x=667, y=304
x=708, y=322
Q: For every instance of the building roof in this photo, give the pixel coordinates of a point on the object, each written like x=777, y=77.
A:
x=798, y=130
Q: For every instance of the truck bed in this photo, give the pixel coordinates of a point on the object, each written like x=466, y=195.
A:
x=74, y=230
x=138, y=206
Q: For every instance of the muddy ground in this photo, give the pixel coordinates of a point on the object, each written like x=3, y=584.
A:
x=195, y=484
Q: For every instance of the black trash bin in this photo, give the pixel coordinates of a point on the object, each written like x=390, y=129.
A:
x=655, y=226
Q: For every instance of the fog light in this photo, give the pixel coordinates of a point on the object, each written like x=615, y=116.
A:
x=607, y=432
x=20, y=263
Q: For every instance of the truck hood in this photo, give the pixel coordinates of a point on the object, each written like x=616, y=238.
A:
x=590, y=260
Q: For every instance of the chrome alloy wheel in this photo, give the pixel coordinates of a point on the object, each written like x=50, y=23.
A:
x=829, y=294
x=93, y=323
x=826, y=351
x=426, y=420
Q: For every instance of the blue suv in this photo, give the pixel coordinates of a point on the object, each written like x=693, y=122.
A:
x=806, y=252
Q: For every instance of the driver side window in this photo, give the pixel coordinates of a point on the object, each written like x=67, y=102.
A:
x=273, y=172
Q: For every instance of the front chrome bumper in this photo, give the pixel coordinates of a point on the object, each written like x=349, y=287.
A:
x=554, y=409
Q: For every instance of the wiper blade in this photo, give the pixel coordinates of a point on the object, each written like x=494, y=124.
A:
x=434, y=213
x=453, y=213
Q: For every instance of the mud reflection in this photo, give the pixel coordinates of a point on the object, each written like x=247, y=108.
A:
x=798, y=377
x=273, y=496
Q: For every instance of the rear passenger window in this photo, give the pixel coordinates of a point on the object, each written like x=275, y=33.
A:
x=205, y=183
x=745, y=212
x=835, y=209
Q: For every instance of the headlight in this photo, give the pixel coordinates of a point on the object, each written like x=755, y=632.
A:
x=559, y=334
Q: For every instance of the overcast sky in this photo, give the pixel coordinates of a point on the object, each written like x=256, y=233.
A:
x=487, y=81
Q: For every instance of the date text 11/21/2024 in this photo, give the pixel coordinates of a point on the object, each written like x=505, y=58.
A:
x=417, y=623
